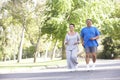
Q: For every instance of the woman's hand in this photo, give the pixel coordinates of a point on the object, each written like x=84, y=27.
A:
x=66, y=43
x=76, y=43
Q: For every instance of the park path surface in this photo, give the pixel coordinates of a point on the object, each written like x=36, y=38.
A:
x=105, y=70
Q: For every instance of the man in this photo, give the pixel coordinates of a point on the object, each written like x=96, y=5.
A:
x=89, y=36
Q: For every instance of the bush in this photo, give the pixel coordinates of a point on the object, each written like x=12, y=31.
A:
x=28, y=52
x=109, y=49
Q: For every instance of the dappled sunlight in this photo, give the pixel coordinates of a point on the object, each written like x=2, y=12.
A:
x=33, y=31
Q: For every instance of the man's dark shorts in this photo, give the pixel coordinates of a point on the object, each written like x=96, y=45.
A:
x=91, y=49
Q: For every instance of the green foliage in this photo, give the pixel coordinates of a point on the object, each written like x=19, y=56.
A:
x=77, y=13
x=55, y=21
x=20, y=14
x=74, y=17
x=59, y=6
x=78, y=4
x=28, y=52
x=55, y=26
x=111, y=27
x=116, y=12
x=109, y=49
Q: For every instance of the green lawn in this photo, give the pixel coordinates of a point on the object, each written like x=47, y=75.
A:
x=30, y=64
x=27, y=64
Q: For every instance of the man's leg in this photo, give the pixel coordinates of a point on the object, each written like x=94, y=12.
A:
x=87, y=58
x=94, y=57
x=94, y=50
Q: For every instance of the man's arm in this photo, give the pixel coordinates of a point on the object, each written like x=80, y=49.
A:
x=97, y=33
x=82, y=41
x=94, y=38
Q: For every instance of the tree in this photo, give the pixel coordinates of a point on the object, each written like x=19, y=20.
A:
x=27, y=23
x=111, y=25
x=111, y=30
x=56, y=21
x=34, y=28
x=9, y=35
x=21, y=13
x=77, y=11
x=25, y=17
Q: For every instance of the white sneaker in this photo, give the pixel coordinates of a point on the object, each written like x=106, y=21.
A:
x=76, y=67
x=72, y=70
x=88, y=67
x=93, y=66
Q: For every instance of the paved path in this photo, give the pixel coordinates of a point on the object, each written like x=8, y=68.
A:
x=105, y=70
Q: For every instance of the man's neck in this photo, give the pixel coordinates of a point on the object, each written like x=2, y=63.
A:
x=89, y=26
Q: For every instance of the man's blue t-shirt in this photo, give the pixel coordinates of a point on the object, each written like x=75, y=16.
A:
x=87, y=33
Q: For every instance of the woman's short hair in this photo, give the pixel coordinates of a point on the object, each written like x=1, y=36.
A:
x=72, y=24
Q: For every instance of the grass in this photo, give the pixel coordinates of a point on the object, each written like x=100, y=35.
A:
x=28, y=63
x=13, y=66
x=6, y=67
x=31, y=64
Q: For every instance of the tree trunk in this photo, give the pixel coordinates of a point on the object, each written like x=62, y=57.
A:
x=47, y=49
x=4, y=57
x=37, y=45
x=63, y=50
x=14, y=57
x=36, y=49
x=54, y=50
x=21, y=45
x=35, y=56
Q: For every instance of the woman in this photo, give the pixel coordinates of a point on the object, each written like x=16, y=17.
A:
x=72, y=40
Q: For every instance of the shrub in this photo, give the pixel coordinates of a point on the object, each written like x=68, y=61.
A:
x=109, y=49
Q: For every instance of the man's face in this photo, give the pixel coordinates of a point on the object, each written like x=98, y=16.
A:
x=89, y=23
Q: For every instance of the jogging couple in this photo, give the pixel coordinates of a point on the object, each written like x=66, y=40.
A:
x=88, y=36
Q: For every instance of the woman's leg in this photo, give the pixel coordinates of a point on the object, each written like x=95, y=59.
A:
x=74, y=58
x=69, y=62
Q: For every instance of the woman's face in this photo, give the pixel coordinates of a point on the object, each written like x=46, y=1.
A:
x=71, y=28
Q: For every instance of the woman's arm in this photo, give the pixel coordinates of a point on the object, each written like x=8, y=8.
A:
x=66, y=40
x=78, y=39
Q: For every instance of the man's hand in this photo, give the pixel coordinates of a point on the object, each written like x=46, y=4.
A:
x=92, y=38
